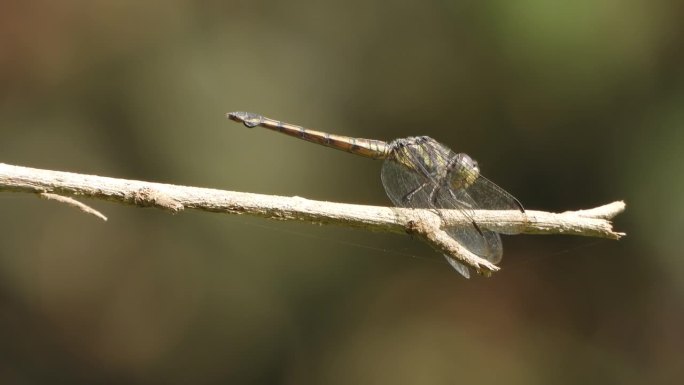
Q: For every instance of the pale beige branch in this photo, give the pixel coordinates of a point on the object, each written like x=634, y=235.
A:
x=427, y=224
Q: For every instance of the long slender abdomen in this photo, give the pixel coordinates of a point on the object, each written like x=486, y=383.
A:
x=369, y=148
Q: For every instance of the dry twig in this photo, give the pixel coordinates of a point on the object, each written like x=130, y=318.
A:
x=74, y=203
x=427, y=224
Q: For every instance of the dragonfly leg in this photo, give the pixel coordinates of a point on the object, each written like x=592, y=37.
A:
x=433, y=196
x=407, y=198
x=475, y=225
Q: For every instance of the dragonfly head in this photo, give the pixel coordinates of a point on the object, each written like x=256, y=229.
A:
x=463, y=171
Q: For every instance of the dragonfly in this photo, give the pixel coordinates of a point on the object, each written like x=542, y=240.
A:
x=419, y=172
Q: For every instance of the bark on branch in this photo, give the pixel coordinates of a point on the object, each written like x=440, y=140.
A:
x=426, y=224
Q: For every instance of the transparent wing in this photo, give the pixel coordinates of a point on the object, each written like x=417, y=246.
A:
x=458, y=266
x=400, y=181
x=488, y=196
x=478, y=193
x=426, y=174
x=481, y=242
x=492, y=197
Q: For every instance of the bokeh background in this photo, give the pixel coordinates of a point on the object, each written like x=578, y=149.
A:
x=567, y=105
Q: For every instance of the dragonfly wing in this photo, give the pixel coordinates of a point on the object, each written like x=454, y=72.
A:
x=400, y=181
x=489, y=196
x=458, y=266
x=479, y=241
x=414, y=177
x=486, y=245
x=477, y=192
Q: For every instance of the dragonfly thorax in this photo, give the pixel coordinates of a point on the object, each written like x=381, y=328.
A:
x=423, y=154
x=435, y=161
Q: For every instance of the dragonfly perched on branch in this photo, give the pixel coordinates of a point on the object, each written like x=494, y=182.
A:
x=419, y=172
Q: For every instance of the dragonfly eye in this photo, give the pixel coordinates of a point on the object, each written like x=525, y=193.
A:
x=463, y=170
x=476, y=166
x=466, y=161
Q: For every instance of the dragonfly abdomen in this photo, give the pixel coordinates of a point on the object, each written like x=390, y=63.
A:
x=369, y=148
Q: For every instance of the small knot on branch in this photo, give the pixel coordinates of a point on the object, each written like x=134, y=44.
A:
x=149, y=197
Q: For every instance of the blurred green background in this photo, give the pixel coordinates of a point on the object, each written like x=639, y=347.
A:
x=567, y=105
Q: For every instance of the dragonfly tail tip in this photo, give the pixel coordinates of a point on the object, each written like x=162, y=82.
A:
x=249, y=119
x=237, y=116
